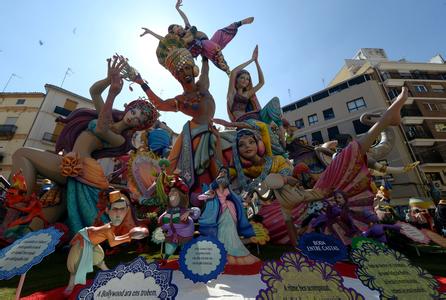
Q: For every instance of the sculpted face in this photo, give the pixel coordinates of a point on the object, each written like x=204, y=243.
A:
x=339, y=198
x=247, y=147
x=186, y=74
x=174, y=197
x=134, y=118
x=243, y=80
x=178, y=30
x=117, y=212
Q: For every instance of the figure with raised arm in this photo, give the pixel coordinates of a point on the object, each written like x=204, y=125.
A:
x=244, y=109
x=86, y=250
x=196, y=41
x=348, y=172
x=194, y=152
x=87, y=136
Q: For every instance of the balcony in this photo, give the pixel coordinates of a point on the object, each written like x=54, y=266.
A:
x=398, y=79
x=7, y=131
x=49, y=137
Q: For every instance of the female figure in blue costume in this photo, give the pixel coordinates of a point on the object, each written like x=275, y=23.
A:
x=244, y=109
x=225, y=219
x=88, y=135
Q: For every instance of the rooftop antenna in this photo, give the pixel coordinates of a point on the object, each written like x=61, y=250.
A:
x=68, y=72
x=9, y=80
x=289, y=94
x=323, y=82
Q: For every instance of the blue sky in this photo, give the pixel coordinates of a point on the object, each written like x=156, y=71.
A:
x=301, y=42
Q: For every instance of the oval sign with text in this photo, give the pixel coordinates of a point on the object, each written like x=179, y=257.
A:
x=322, y=247
x=202, y=259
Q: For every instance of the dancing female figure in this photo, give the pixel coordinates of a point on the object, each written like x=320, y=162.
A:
x=88, y=135
x=196, y=41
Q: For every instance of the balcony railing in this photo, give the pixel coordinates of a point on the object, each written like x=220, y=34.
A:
x=7, y=131
x=49, y=137
x=412, y=75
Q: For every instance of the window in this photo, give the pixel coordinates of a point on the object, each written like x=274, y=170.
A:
x=440, y=127
x=385, y=75
x=312, y=119
x=405, y=74
x=419, y=88
x=299, y=123
x=393, y=93
x=356, y=104
x=328, y=114
x=437, y=88
x=333, y=132
x=11, y=120
x=62, y=111
x=359, y=127
x=443, y=76
x=20, y=101
x=431, y=106
x=320, y=96
x=316, y=138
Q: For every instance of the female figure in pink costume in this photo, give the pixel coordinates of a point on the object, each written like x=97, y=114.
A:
x=348, y=172
x=198, y=43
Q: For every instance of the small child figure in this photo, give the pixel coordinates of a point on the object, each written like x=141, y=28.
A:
x=177, y=221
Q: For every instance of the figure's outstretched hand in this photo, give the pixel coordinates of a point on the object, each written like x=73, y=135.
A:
x=138, y=233
x=146, y=31
x=255, y=53
x=114, y=73
x=179, y=4
x=410, y=167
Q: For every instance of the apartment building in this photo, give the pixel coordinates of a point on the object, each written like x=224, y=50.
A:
x=424, y=115
x=17, y=114
x=363, y=85
x=57, y=102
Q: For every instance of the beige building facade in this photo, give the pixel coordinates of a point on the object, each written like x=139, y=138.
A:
x=58, y=102
x=17, y=114
x=368, y=83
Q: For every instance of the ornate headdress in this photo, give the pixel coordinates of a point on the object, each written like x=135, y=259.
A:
x=177, y=59
x=147, y=109
x=178, y=183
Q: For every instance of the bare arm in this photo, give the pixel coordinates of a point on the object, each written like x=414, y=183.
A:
x=160, y=104
x=105, y=119
x=182, y=14
x=117, y=240
x=261, y=79
x=148, y=31
x=218, y=149
x=98, y=88
x=233, y=124
x=204, y=75
x=232, y=77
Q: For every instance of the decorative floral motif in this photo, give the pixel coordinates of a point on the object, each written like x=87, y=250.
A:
x=391, y=274
x=261, y=234
x=71, y=165
x=158, y=236
x=163, y=278
x=295, y=276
